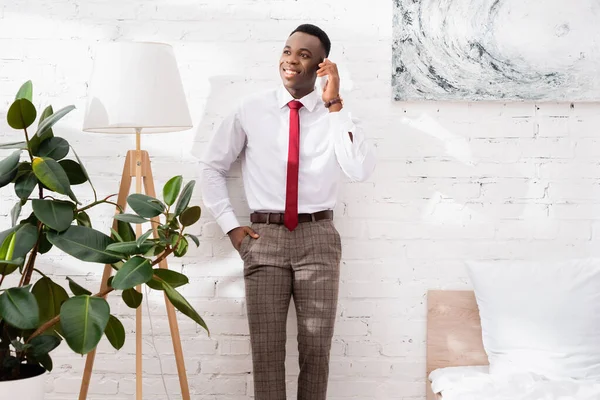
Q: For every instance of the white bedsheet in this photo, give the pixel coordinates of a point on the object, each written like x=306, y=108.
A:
x=475, y=383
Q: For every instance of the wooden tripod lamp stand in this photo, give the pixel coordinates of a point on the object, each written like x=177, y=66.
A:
x=136, y=89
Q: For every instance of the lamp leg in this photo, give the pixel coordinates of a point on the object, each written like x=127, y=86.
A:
x=137, y=164
x=173, y=325
x=121, y=201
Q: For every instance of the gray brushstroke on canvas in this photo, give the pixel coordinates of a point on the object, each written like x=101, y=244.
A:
x=543, y=50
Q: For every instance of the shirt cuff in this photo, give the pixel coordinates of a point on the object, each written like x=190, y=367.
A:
x=228, y=221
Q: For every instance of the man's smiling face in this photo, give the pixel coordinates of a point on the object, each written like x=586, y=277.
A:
x=299, y=63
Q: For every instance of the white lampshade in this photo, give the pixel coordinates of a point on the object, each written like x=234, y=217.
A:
x=136, y=85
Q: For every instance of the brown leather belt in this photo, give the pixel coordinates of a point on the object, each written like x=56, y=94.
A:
x=277, y=218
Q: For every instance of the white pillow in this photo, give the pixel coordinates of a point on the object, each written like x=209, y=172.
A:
x=541, y=317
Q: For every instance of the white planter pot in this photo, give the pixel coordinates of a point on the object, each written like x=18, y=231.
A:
x=24, y=389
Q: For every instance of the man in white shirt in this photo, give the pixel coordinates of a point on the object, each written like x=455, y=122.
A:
x=294, y=144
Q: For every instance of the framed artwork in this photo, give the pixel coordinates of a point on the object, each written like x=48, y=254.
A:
x=474, y=50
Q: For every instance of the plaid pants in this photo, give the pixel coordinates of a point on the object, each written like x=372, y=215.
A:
x=305, y=264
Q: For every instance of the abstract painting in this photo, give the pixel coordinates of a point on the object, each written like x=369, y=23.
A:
x=472, y=50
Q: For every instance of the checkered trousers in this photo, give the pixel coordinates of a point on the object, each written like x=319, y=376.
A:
x=303, y=264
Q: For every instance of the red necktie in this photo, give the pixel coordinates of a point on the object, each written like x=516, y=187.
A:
x=290, y=217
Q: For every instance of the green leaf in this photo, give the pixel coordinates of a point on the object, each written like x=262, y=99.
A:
x=49, y=122
x=194, y=239
x=134, y=219
x=115, y=236
x=8, y=267
x=83, y=219
x=54, y=147
x=129, y=248
x=132, y=298
x=19, y=308
x=43, y=344
x=45, y=245
x=19, y=346
x=7, y=247
x=24, y=167
x=173, y=278
x=163, y=240
x=56, y=214
x=174, y=224
x=15, y=212
x=21, y=114
x=125, y=231
x=27, y=235
x=74, y=172
x=25, y=91
x=72, y=196
x=85, y=244
x=143, y=238
x=48, y=111
x=45, y=361
x=184, y=199
x=16, y=243
x=51, y=174
x=135, y=271
x=9, y=163
x=83, y=320
x=34, y=144
x=77, y=289
x=145, y=206
x=157, y=250
x=9, y=167
x=115, y=332
x=14, y=145
x=180, y=303
x=171, y=189
x=190, y=216
x=181, y=248
x=25, y=184
x=50, y=297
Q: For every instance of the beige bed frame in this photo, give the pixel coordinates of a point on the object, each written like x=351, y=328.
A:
x=453, y=332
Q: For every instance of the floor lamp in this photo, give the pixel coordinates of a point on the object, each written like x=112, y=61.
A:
x=136, y=89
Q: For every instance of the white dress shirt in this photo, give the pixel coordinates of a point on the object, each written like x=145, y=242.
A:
x=258, y=131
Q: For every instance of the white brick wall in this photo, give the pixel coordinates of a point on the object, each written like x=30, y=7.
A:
x=454, y=181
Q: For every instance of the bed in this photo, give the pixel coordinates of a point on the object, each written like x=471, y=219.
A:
x=453, y=332
x=528, y=331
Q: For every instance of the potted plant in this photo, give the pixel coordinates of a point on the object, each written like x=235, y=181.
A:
x=36, y=313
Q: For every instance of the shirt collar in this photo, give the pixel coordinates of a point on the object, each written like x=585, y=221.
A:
x=309, y=101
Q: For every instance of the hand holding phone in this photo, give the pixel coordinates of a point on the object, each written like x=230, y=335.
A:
x=329, y=80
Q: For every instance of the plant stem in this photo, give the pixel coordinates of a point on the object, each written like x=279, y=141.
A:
x=2, y=279
x=28, y=148
x=28, y=271
x=40, y=272
x=95, y=203
x=164, y=255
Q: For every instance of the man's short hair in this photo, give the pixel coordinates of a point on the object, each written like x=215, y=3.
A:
x=315, y=31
